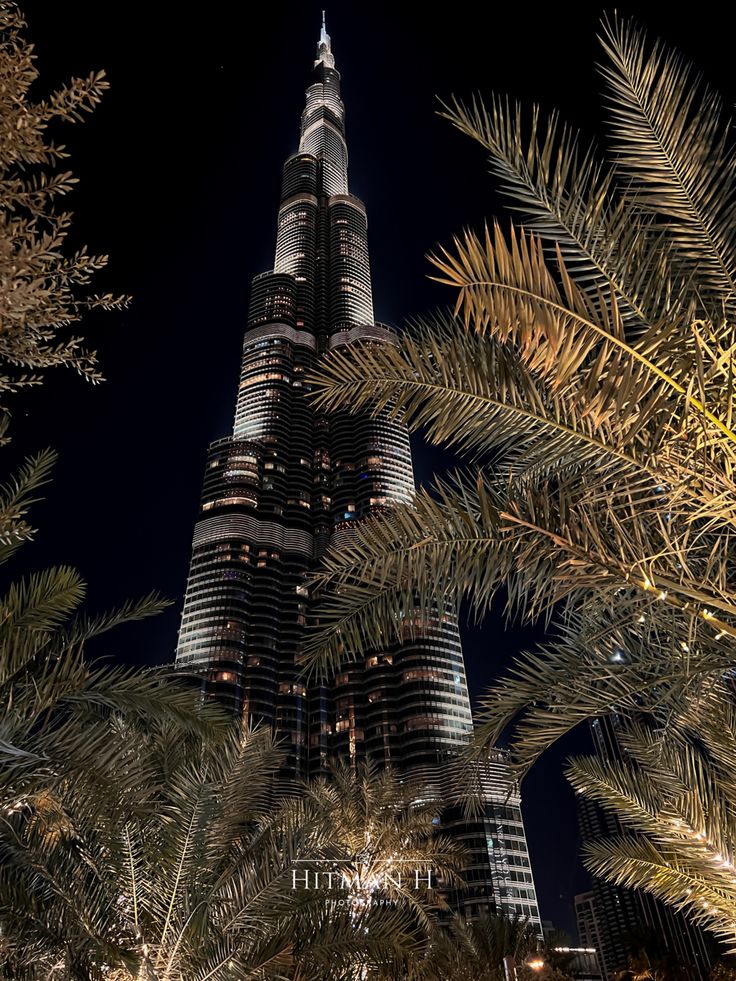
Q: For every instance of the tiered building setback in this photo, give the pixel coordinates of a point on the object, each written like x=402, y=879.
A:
x=289, y=481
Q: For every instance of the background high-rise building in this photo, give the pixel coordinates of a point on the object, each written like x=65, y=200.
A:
x=589, y=934
x=587, y=920
x=288, y=482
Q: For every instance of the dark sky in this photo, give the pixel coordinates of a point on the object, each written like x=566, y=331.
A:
x=179, y=179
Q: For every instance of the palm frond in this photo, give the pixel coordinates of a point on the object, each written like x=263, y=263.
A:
x=507, y=289
x=637, y=863
x=672, y=149
x=41, y=601
x=84, y=627
x=17, y=496
x=474, y=393
x=184, y=887
x=628, y=666
x=567, y=196
x=409, y=551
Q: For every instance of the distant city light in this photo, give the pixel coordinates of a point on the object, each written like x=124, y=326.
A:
x=574, y=950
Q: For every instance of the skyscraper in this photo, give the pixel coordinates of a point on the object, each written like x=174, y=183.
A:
x=288, y=482
x=589, y=934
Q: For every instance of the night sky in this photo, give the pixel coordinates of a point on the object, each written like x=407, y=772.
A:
x=179, y=181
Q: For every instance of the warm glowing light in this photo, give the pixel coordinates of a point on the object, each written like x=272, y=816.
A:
x=536, y=965
x=575, y=950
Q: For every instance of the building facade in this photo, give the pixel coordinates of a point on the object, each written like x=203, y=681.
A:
x=589, y=934
x=288, y=482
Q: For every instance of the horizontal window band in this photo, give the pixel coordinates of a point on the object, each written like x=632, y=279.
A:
x=244, y=527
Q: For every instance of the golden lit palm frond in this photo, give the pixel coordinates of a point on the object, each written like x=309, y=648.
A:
x=569, y=336
x=582, y=537
x=650, y=664
x=675, y=805
x=636, y=863
x=474, y=393
x=565, y=194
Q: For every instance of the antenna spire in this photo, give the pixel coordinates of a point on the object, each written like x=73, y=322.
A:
x=324, y=48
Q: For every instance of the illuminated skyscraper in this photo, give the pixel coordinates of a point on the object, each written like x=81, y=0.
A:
x=288, y=482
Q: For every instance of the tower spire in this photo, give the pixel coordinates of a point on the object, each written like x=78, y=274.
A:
x=324, y=48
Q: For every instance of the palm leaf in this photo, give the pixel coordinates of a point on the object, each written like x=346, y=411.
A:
x=41, y=601
x=671, y=147
x=16, y=497
x=508, y=290
x=473, y=393
x=635, y=862
x=567, y=196
x=594, y=667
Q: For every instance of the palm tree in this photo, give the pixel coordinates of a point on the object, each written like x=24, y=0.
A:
x=587, y=372
x=474, y=950
x=202, y=874
x=385, y=827
x=68, y=734
x=649, y=960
